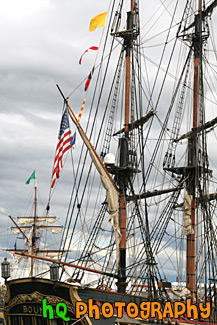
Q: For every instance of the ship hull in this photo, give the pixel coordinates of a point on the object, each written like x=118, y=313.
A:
x=23, y=304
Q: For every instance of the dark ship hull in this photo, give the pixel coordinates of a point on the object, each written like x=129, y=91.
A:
x=23, y=301
x=23, y=304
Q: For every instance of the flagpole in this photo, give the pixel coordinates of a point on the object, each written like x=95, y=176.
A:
x=34, y=228
x=35, y=186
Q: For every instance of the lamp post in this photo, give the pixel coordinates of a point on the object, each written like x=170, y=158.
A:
x=5, y=267
x=54, y=272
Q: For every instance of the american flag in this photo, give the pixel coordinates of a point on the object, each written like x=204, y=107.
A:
x=66, y=141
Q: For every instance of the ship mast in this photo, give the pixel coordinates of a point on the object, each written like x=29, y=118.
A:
x=34, y=230
x=124, y=156
x=31, y=237
x=192, y=159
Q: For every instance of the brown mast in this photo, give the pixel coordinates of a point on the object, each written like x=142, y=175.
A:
x=21, y=253
x=124, y=156
x=190, y=267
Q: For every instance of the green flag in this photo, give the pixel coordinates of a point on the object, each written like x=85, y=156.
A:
x=31, y=177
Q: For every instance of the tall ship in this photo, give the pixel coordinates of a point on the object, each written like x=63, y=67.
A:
x=141, y=221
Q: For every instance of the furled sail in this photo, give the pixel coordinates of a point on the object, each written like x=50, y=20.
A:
x=43, y=253
x=28, y=241
x=17, y=258
x=139, y=122
x=53, y=229
x=200, y=128
x=25, y=220
x=185, y=293
x=107, y=182
x=188, y=230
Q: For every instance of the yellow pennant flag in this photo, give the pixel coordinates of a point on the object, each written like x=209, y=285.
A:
x=97, y=21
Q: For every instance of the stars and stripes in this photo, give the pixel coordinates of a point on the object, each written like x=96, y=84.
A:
x=66, y=141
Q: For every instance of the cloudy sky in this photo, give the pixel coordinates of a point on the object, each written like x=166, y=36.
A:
x=41, y=42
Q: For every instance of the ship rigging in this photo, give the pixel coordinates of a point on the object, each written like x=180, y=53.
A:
x=149, y=209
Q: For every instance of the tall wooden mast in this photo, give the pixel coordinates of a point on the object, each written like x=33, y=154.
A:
x=124, y=156
x=33, y=224
x=193, y=176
